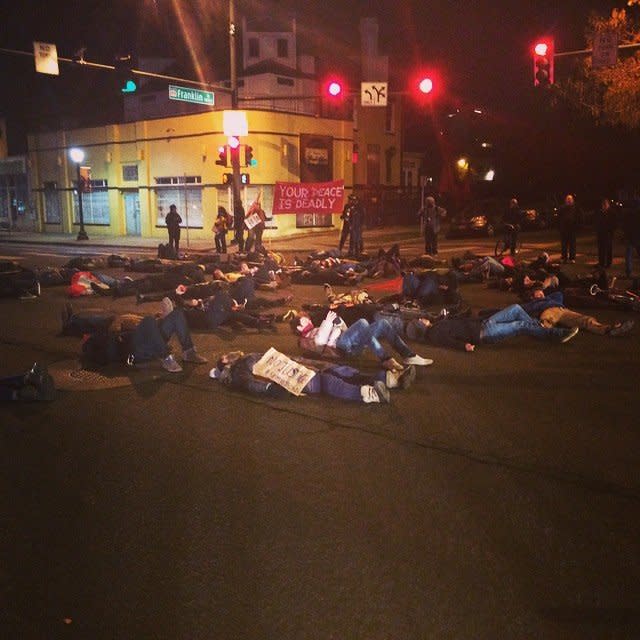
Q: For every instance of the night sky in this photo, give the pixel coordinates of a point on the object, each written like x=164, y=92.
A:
x=479, y=49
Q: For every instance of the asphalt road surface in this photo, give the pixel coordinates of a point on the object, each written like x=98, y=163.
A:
x=499, y=497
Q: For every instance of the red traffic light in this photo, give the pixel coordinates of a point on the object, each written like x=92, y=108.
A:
x=334, y=88
x=222, y=156
x=543, y=54
x=425, y=85
x=541, y=49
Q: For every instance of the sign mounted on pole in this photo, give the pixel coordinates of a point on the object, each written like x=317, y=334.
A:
x=197, y=96
x=373, y=94
x=605, y=49
x=46, y=57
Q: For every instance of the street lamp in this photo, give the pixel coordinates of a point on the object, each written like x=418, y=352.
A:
x=77, y=156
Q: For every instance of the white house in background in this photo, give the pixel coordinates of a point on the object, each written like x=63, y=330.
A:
x=274, y=75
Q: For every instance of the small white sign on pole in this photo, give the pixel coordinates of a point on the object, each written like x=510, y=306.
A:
x=235, y=123
x=46, y=57
x=373, y=94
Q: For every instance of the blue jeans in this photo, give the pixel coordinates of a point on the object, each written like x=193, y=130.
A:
x=151, y=336
x=361, y=335
x=414, y=286
x=515, y=321
x=341, y=381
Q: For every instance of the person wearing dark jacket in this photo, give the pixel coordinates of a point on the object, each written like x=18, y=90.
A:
x=459, y=332
x=133, y=339
x=551, y=311
x=512, y=221
x=569, y=219
x=335, y=380
x=605, y=224
x=173, y=222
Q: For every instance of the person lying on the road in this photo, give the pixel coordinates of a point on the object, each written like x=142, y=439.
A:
x=458, y=332
x=339, y=381
x=334, y=339
x=551, y=311
x=132, y=339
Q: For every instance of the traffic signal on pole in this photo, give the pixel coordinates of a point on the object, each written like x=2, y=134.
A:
x=333, y=89
x=126, y=80
x=233, y=143
x=222, y=156
x=249, y=160
x=227, y=179
x=543, y=53
x=425, y=85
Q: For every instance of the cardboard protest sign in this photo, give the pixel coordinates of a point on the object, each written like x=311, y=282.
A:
x=284, y=371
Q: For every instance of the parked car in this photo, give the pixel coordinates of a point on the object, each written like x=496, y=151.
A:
x=476, y=219
x=533, y=218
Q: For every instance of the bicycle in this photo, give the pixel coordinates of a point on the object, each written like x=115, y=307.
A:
x=504, y=244
x=626, y=298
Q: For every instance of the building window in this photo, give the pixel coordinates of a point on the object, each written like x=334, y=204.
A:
x=287, y=82
x=130, y=173
x=52, y=208
x=254, y=48
x=283, y=48
x=95, y=204
x=184, y=192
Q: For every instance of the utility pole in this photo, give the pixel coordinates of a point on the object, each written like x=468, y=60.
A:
x=233, y=74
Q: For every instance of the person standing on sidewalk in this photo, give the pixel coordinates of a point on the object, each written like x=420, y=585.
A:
x=173, y=222
x=238, y=224
x=569, y=219
x=345, y=232
x=430, y=216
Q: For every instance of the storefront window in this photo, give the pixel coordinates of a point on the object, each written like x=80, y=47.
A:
x=186, y=193
x=95, y=204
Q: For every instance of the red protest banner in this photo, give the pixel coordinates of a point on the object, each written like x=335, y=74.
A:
x=309, y=197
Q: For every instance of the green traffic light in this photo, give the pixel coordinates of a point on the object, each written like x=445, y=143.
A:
x=129, y=86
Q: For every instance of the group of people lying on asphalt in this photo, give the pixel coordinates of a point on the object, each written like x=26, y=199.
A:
x=428, y=309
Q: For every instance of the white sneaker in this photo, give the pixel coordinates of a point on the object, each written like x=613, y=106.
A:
x=401, y=379
x=170, y=364
x=418, y=360
x=377, y=392
x=369, y=394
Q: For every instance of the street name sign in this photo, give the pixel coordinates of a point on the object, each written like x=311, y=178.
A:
x=186, y=94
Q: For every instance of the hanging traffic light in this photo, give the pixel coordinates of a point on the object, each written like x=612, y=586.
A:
x=543, y=53
x=249, y=160
x=222, y=156
x=333, y=89
x=425, y=85
x=124, y=74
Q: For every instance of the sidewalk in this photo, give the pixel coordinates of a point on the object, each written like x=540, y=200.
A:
x=300, y=242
